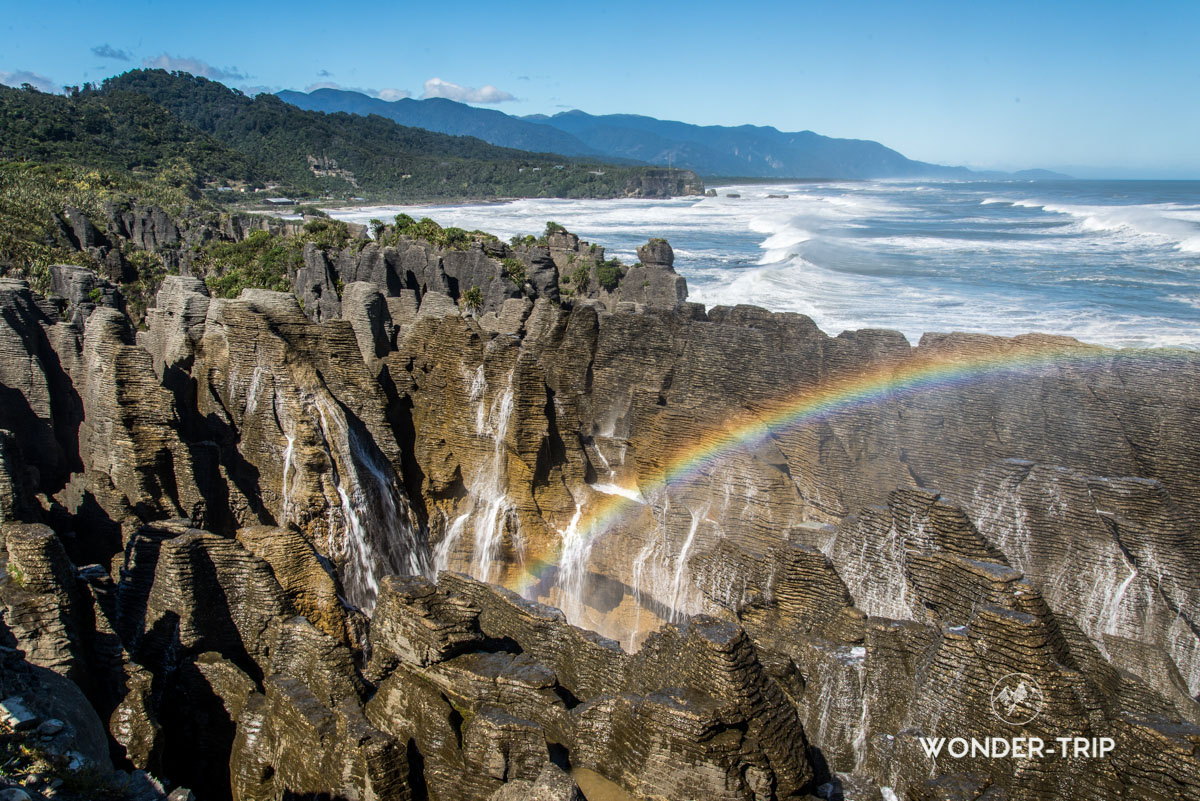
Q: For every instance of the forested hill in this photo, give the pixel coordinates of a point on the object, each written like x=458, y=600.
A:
x=151, y=120
x=120, y=131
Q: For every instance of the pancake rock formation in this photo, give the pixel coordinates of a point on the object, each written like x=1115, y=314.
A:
x=472, y=520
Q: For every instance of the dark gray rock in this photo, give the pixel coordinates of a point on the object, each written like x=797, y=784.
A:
x=315, y=285
x=363, y=305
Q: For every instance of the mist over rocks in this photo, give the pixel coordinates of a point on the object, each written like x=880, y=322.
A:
x=462, y=519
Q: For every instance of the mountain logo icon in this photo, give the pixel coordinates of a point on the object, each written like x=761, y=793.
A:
x=1017, y=699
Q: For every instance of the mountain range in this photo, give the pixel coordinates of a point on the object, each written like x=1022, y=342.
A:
x=200, y=132
x=710, y=150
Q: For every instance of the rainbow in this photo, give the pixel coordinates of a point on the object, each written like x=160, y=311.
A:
x=921, y=372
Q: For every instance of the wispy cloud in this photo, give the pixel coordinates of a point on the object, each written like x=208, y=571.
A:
x=251, y=91
x=108, y=51
x=436, y=87
x=382, y=94
x=324, y=74
x=34, y=79
x=195, y=66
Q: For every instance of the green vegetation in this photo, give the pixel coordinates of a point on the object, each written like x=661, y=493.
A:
x=150, y=273
x=514, y=270
x=261, y=260
x=326, y=233
x=608, y=273
x=33, y=195
x=264, y=260
x=472, y=300
x=119, y=131
x=579, y=278
x=553, y=228
x=199, y=133
x=425, y=228
x=15, y=574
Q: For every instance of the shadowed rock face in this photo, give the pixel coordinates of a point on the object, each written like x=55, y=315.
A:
x=259, y=536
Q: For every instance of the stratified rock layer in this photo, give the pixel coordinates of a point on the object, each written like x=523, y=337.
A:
x=257, y=535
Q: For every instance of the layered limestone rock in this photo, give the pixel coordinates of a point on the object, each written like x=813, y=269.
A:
x=244, y=532
x=486, y=683
x=305, y=435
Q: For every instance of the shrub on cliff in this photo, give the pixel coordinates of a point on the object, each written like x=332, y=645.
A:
x=472, y=300
x=514, y=270
x=261, y=261
x=608, y=273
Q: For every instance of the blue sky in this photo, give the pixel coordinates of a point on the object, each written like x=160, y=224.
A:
x=1092, y=88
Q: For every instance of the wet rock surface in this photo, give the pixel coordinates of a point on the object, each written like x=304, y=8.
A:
x=367, y=540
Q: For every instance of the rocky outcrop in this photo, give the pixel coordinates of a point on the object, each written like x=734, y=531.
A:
x=653, y=281
x=664, y=183
x=514, y=677
x=133, y=452
x=258, y=536
x=315, y=285
x=41, y=407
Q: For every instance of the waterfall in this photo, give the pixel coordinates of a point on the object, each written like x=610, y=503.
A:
x=489, y=511
x=681, y=563
x=572, y=567
x=445, y=548
x=875, y=572
x=380, y=539
x=660, y=575
x=608, y=488
x=285, y=492
x=490, y=486
x=1003, y=520
x=370, y=530
x=838, y=717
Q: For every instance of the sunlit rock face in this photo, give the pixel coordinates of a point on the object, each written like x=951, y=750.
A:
x=421, y=549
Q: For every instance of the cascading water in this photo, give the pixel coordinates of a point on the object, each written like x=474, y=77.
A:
x=489, y=509
x=572, y=567
x=677, y=584
x=1002, y=519
x=1088, y=575
x=285, y=491
x=876, y=573
x=370, y=523
x=380, y=539
x=660, y=575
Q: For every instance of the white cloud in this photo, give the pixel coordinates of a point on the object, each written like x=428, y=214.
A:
x=195, y=66
x=37, y=81
x=436, y=87
x=382, y=94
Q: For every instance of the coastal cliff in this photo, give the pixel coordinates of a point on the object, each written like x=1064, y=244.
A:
x=455, y=518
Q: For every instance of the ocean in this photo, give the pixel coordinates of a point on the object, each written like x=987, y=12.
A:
x=1109, y=262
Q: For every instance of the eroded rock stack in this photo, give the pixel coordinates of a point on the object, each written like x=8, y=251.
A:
x=263, y=537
